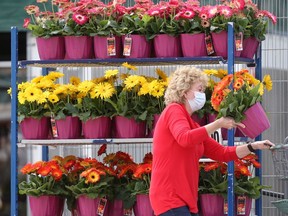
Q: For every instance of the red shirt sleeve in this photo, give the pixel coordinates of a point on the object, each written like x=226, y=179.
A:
x=216, y=151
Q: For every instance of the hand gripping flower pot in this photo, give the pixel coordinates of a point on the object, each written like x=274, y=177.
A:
x=256, y=121
x=250, y=46
x=51, y=48
x=89, y=207
x=46, y=205
x=193, y=45
x=211, y=205
x=33, y=128
x=140, y=47
x=129, y=128
x=78, y=47
x=97, y=128
x=142, y=206
x=167, y=46
x=68, y=128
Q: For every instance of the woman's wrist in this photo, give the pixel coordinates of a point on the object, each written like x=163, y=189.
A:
x=251, y=148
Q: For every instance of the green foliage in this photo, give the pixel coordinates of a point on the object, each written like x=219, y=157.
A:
x=37, y=186
x=103, y=188
x=237, y=102
x=47, y=28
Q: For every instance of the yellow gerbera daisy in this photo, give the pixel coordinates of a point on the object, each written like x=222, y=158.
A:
x=129, y=66
x=267, y=82
x=104, y=90
x=75, y=80
x=161, y=74
x=36, y=79
x=53, y=98
x=21, y=97
x=144, y=89
x=32, y=93
x=85, y=86
x=53, y=75
x=261, y=89
x=131, y=81
x=110, y=73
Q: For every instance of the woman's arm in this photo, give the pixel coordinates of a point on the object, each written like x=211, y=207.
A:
x=246, y=149
x=224, y=122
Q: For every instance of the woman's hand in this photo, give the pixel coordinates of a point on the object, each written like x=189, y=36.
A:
x=262, y=145
x=229, y=123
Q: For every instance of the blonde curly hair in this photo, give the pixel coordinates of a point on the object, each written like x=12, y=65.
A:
x=181, y=81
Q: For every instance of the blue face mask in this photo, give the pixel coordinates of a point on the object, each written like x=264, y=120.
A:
x=198, y=102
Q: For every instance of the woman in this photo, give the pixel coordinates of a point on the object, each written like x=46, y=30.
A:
x=179, y=143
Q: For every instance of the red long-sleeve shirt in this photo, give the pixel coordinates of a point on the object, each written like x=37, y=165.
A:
x=178, y=144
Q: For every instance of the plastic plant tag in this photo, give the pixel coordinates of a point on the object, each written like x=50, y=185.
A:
x=209, y=44
x=225, y=206
x=241, y=204
x=239, y=41
x=101, y=206
x=111, y=46
x=127, y=45
x=127, y=212
x=54, y=128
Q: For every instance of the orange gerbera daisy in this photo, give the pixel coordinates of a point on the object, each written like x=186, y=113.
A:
x=44, y=171
x=102, y=149
x=92, y=177
x=224, y=83
x=142, y=169
x=57, y=174
x=239, y=82
x=26, y=169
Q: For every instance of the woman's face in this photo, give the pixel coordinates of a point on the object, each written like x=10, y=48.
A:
x=195, y=87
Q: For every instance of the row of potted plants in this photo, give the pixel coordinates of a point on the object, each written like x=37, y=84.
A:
x=117, y=185
x=149, y=20
x=90, y=187
x=133, y=101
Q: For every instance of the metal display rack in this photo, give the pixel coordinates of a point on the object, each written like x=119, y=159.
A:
x=15, y=65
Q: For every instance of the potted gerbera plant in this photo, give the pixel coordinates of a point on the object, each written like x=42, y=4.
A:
x=242, y=102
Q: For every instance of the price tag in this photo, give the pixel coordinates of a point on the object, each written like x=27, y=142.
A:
x=111, y=46
x=241, y=205
x=209, y=44
x=127, y=46
x=225, y=206
x=127, y=212
x=101, y=206
x=54, y=128
x=239, y=41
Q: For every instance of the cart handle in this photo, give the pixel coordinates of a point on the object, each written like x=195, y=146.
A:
x=279, y=146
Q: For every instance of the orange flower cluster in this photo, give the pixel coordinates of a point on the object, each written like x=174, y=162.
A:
x=222, y=88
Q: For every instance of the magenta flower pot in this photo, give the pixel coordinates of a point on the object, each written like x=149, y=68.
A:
x=116, y=208
x=143, y=206
x=211, y=117
x=79, y=47
x=250, y=46
x=97, y=128
x=193, y=45
x=167, y=46
x=46, y=205
x=211, y=205
x=220, y=44
x=128, y=128
x=88, y=207
x=68, y=128
x=256, y=121
x=33, y=128
x=140, y=47
x=201, y=121
x=100, y=47
x=51, y=48
x=247, y=205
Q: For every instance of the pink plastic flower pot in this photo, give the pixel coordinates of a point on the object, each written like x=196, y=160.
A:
x=167, y=46
x=88, y=207
x=100, y=47
x=140, y=47
x=220, y=44
x=97, y=128
x=79, y=47
x=193, y=45
x=128, y=128
x=68, y=128
x=143, y=206
x=51, y=48
x=33, y=128
x=46, y=205
x=256, y=121
x=116, y=208
x=211, y=205
x=248, y=206
x=250, y=46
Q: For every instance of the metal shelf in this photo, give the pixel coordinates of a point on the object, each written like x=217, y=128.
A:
x=135, y=61
x=69, y=142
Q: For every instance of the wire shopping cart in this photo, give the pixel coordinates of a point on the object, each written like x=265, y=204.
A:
x=280, y=160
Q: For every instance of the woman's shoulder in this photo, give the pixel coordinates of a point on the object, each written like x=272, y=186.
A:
x=174, y=107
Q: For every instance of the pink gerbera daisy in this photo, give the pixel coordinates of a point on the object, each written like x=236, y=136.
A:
x=80, y=19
